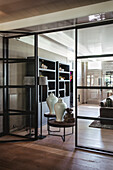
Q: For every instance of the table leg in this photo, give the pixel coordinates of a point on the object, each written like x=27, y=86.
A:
x=48, y=126
x=72, y=130
x=47, y=123
x=64, y=135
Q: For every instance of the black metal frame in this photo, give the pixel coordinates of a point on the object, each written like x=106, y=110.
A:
x=10, y=112
x=36, y=85
x=5, y=87
x=77, y=27
x=87, y=87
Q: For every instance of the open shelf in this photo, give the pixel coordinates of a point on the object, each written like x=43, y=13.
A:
x=51, y=90
x=64, y=72
x=51, y=65
x=64, y=80
x=65, y=67
x=63, y=89
x=41, y=69
x=51, y=80
x=50, y=73
x=50, y=69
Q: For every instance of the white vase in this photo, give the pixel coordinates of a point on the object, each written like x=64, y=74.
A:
x=51, y=100
x=60, y=107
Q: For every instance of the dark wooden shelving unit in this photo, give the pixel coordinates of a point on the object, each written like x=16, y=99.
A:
x=59, y=87
x=50, y=72
x=63, y=82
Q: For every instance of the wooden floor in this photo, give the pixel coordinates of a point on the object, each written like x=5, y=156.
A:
x=52, y=153
x=33, y=156
x=90, y=136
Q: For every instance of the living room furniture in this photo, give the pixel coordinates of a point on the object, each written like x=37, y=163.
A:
x=58, y=82
x=63, y=82
x=106, y=110
x=50, y=72
x=64, y=125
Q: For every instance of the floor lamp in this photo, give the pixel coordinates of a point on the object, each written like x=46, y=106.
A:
x=43, y=81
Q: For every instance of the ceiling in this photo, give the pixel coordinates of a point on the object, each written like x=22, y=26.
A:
x=11, y=10
x=91, y=41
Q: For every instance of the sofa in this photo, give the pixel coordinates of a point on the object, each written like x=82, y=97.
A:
x=106, y=109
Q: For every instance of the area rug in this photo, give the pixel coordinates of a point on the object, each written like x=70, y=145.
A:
x=98, y=124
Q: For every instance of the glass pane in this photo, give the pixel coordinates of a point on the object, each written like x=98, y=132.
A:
x=56, y=59
x=95, y=40
x=21, y=73
x=21, y=99
x=89, y=110
x=94, y=134
x=21, y=47
x=17, y=73
x=95, y=72
x=22, y=125
x=17, y=98
x=91, y=102
x=57, y=46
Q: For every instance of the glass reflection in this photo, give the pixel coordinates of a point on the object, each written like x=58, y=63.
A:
x=95, y=41
x=95, y=72
x=90, y=135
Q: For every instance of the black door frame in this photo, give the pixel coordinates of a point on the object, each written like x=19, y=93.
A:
x=76, y=27
x=83, y=26
x=6, y=61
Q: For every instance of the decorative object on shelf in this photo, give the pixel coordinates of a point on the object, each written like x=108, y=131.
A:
x=69, y=116
x=42, y=81
x=60, y=107
x=41, y=75
x=29, y=80
x=51, y=100
x=60, y=69
x=44, y=66
x=61, y=78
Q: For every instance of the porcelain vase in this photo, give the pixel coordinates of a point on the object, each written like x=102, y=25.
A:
x=51, y=100
x=60, y=107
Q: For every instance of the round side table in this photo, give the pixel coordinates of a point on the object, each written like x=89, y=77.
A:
x=63, y=125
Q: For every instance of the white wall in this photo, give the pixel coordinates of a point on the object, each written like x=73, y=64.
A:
x=52, y=56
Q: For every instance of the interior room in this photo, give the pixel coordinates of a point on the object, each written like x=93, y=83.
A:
x=57, y=61
x=56, y=93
